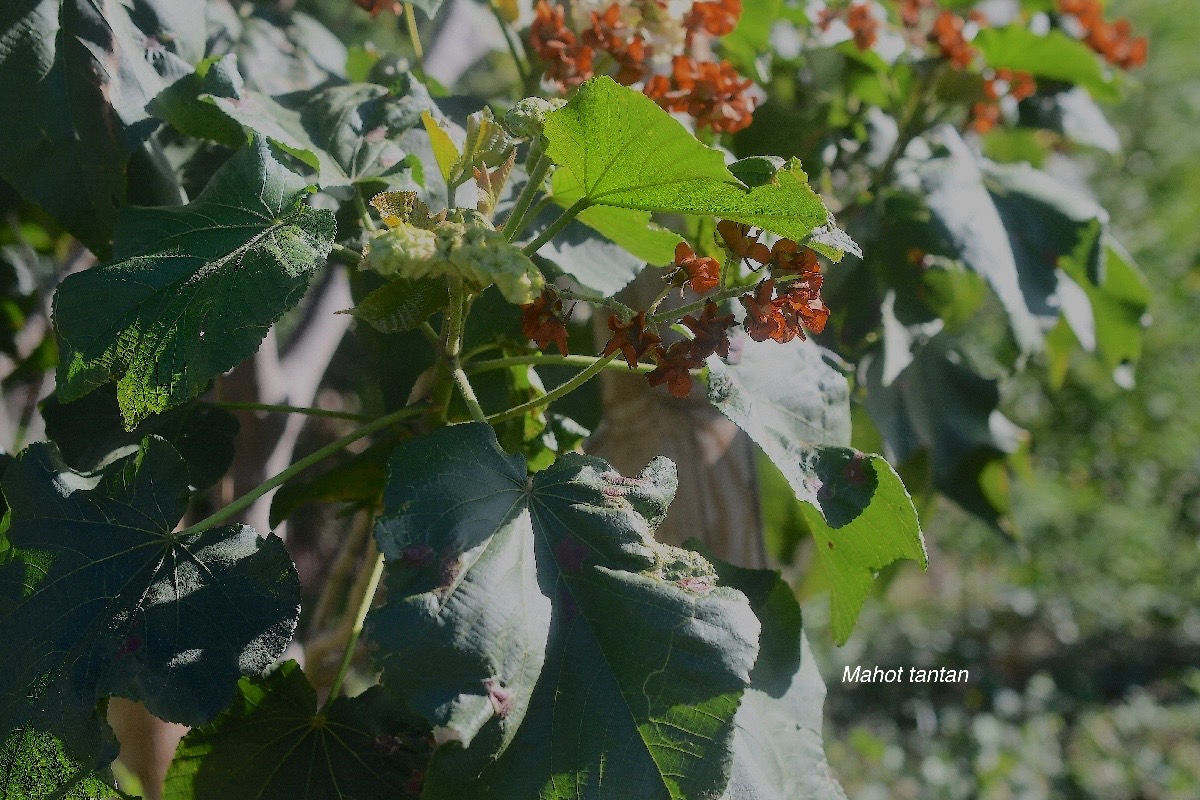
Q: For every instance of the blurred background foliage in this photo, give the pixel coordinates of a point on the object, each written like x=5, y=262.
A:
x=1082, y=635
x=1081, y=631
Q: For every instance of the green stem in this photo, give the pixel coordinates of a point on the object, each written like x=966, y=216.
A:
x=432, y=335
x=537, y=176
x=626, y=313
x=364, y=213
x=522, y=67
x=468, y=395
x=281, y=409
x=333, y=448
x=563, y=221
x=544, y=359
x=345, y=255
x=413, y=34
x=579, y=380
x=360, y=617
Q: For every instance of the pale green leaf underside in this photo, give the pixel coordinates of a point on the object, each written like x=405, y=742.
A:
x=630, y=228
x=193, y=289
x=625, y=151
x=618, y=680
x=795, y=407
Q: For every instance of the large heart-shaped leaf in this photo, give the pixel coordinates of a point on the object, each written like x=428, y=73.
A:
x=536, y=619
x=194, y=289
x=99, y=597
x=625, y=151
x=75, y=78
x=274, y=744
x=796, y=408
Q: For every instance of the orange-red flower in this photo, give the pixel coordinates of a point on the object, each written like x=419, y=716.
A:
x=714, y=17
x=611, y=34
x=673, y=368
x=544, y=322
x=1112, y=40
x=738, y=241
x=630, y=338
x=863, y=24
x=566, y=60
x=801, y=304
x=910, y=11
x=947, y=34
x=984, y=117
x=702, y=273
x=714, y=94
x=764, y=320
x=711, y=331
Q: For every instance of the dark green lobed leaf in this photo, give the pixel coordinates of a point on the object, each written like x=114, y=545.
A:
x=98, y=597
x=545, y=603
x=274, y=744
x=193, y=290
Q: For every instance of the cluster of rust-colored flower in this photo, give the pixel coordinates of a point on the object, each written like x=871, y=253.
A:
x=1112, y=40
x=780, y=307
x=712, y=92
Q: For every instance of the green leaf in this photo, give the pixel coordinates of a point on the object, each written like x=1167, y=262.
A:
x=752, y=36
x=193, y=290
x=348, y=134
x=274, y=744
x=625, y=151
x=180, y=103
x=359, y=480
x=795, y=407
x=99, y=597
x=940, y=404
x=1053, y=55
x=34, y=766
x=444, y=150
x=401, y=305
x=75, y=79
x=629, y=228
x=1120, y=304
x=521, y=609
x=277, y=51
x=90, y=433
x=778, y=750
x=1075, y=115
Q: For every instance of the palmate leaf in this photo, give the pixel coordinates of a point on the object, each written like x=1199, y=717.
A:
x=348, y=133
x=75, y=78
x=796, y=408
x=536, y=619
x=625, y=151
x=194, y=289
x=98, y=597
x=274, y=744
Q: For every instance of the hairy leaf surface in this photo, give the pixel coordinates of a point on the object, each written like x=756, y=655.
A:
x=193, y=290
x=529, y=611
x=98, y=597
x=796, y=408
x=625, y=151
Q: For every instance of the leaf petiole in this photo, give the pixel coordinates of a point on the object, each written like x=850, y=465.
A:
x=544, y=359
x=556, y=227
x=285, y=409
x=360, y=617
x=579, y=380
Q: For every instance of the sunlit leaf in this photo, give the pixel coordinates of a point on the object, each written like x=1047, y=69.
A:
x=193, y=290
